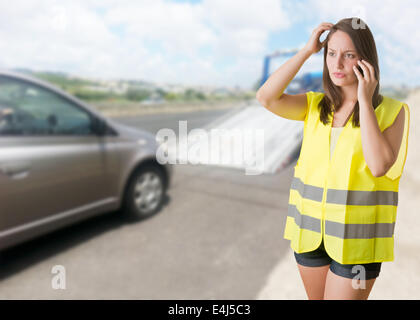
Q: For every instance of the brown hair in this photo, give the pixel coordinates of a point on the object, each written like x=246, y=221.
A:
x=365, y=46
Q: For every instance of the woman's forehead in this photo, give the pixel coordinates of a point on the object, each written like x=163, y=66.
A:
x=340, y=41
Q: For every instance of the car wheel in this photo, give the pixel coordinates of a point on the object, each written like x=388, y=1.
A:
x=144, y=195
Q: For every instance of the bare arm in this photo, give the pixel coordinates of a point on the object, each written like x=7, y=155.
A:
x=271, y=95
x=380, y=149
x=394, y=135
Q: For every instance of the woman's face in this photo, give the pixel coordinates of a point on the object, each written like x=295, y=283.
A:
x=341, y=57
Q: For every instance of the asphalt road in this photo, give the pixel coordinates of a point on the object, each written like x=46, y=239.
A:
x=219, y=236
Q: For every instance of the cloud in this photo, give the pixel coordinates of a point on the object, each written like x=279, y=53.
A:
x=211, y=42
x=155, y=40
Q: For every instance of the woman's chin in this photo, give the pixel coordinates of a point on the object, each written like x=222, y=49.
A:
x=341, y=83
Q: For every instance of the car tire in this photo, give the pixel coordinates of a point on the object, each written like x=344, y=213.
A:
x=145, y=193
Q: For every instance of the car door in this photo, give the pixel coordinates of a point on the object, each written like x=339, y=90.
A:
x=51, y=160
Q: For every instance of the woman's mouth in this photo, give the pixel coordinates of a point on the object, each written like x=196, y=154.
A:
x=339, y=75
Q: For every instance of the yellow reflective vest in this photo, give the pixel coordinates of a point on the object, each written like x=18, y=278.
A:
x=339, y=200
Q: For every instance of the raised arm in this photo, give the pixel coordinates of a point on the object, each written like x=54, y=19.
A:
x=271, y=95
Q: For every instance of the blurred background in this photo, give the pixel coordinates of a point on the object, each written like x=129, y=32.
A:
x=150, y=64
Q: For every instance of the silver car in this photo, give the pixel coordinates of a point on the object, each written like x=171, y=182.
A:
x=62, y=162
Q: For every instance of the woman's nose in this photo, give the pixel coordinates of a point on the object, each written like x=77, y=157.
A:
x=339, y=63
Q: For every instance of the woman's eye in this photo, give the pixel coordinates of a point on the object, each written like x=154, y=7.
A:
x=349, y=55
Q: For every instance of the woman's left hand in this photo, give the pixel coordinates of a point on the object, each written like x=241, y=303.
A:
x=367, y=81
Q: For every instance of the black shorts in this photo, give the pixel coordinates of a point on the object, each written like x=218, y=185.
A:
x=319, y=257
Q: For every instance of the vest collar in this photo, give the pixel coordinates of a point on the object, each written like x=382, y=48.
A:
x=349, y=121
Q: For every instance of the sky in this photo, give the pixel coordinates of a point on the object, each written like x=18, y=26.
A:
x=195, y=42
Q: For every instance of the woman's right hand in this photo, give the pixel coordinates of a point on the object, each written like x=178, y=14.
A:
x=314, y=45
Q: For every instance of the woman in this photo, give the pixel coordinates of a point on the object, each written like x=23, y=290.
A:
x=343, y=197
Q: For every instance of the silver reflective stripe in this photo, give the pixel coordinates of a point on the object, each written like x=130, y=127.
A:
x=346, y=197
x=306, y=190
x=303, y=221
x=362, y=198
x=359, y=231
x=341, y=230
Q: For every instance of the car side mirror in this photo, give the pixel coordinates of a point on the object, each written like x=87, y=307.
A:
x=100, y=126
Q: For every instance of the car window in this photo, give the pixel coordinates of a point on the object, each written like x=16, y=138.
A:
x=27, y=109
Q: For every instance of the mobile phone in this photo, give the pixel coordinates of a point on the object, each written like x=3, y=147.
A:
x=360, y=70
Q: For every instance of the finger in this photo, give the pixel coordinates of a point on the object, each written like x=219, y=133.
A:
x=324, y=26
x=371, y=69
x=366, y=72
x=358, y=74
x=321, y=30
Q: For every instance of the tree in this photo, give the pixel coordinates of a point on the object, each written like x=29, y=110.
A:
x=137, y=94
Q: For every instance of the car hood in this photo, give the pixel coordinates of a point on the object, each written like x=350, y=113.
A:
x=132, y=133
